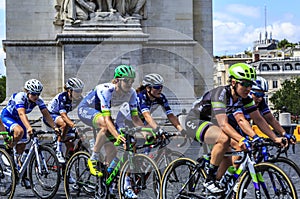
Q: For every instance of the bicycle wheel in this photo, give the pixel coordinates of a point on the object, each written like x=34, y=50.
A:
x=291, y=169
x=85, y=184
x=181, y=180
x=7, y=175
x=276, y=183
x=44, y=182
x=144, y=176
x=166, y=158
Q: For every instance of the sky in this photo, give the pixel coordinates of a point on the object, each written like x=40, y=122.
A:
x=236, y=23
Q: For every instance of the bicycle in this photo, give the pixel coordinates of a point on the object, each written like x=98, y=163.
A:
x=42, y=165
x=184, y=178
x=7, y=171
x=144, y=174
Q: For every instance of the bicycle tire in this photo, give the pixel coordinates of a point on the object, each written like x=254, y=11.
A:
x=144, y=168
x=291, y=169
x=85, y=183
x=283, y=184
x=44, y=185
x=7, y=175
x=176, y=175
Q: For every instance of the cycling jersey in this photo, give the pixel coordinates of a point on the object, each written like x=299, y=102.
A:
x=216, y=101
x=145, y=104
x=9, y=114
x=101, y=99
x=62, y=103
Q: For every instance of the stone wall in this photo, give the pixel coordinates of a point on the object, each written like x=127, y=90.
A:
x=174, y=39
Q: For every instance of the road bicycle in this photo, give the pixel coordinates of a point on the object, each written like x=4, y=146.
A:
x=142, y=170
x=41, y=165
x=7, y=171
x=184, y=178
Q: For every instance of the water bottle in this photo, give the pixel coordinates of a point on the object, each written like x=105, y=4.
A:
x=112, y=165
x=226, y=177
x=92, y=143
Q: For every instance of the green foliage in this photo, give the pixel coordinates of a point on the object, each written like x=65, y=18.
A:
x=285, y=43
x=288, y=95
x=2, y=88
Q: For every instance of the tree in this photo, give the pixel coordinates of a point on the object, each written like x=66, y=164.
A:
x=285, y=43
x=288, y=96
x=2, y=88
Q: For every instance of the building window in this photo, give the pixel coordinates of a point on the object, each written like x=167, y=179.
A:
x=275, y=84
x=297, y=66
x=265, y=67
x=275, y=67
x=288, y=67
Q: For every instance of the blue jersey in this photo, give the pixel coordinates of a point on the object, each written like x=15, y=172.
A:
x=20, y=100
x=147, y=105
x=61, y=103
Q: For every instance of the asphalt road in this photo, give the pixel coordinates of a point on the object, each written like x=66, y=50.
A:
x=193, y=152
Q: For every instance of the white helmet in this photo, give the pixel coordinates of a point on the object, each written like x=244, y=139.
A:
x=33, y=86
x=74, y=83
x=153, y=79
x=261, y=84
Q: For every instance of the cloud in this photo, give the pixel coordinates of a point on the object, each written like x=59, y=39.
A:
x=243, y=10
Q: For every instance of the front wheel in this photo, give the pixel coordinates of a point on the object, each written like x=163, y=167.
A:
x=45, y=174
x=142, y=175
x=272, y=181
x=7, y=175
x=182, y=179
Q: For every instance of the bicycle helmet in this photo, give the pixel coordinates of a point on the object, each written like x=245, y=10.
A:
x=74, y=83
x=33, y=86
x=242, y=71
x=124, y=71
x=153, y=79
x=261, y=84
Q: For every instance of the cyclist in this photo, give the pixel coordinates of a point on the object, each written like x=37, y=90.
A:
x=14, y=116
x=150, y=97
x=95, y=110
x=59, y=107
x=208, y=118
x=258, y=93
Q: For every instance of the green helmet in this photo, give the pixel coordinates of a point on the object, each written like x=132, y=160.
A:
x=124, y=71
x=242, y=71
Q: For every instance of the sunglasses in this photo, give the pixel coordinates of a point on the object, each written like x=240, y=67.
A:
x=245, y=83
x=157, y=87
x=77, y=90
x=128, y=80
x=258, y=94
x=35, y=94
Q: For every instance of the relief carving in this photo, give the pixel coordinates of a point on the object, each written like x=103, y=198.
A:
x=78, y=11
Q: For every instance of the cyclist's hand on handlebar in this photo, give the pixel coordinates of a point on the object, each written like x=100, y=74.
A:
x=57, y=131
x=245, y=144
x=290, y=138
x=159, y=131
x=120, y=139
x=183, y=133
x=281, y=141
x=29, y=132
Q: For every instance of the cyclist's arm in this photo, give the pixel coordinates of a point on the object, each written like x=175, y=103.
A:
x=262, y=124
x=227, y=128
x=274, y=123
x=150, y=120
x=137, y=120
x=2, y=128
x=24, y=119
x=110, y=126
x=48, y=117
x=244, y=124
x=174, y=120
x=67, y=120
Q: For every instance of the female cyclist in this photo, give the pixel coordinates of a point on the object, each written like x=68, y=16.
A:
x=60, y=106
x=95, y=110
x=14, y=115
x=207, y=121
